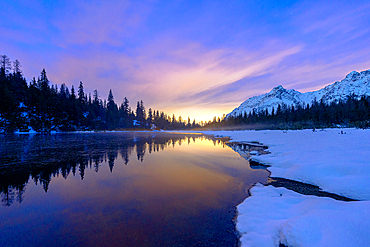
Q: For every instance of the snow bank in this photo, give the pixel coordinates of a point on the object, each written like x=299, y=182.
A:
x=276, y=215
x=337, y=163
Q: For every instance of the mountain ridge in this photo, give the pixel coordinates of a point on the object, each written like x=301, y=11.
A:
x=357, y=83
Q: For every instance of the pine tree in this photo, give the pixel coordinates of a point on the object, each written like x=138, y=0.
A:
x=110, y=99
x=143, y=110
x=73, y=115
x=97, y=113
x=17, y=67
x=81, y=93
x=125, y=121
x=150, y=118
x=44, y=103
x=173, y=123
x=5, y=65
x=140, y=113
x=8, y=106
x=43, y=82
x=96, y=96
x=126, y=107
x=112, y=112
x=73, y=95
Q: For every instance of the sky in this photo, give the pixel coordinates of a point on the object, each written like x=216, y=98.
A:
x=194, y=58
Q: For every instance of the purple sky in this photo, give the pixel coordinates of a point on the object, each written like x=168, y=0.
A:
x=190, y=58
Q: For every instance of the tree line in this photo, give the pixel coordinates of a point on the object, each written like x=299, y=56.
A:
x=44, y=107
x=354, y=111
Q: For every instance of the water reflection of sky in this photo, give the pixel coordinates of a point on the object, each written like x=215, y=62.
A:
x=181, y=196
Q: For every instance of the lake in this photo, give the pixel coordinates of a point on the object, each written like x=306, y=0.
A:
x=121, y=189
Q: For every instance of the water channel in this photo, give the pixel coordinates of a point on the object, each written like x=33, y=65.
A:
x=121, y=189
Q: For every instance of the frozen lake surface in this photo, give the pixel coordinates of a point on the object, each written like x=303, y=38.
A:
x=120, y=189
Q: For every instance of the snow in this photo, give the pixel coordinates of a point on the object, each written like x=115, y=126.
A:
x=136, y=122
x=337, y=163
x=30, y=131
x=354, y=83
x=276, y=215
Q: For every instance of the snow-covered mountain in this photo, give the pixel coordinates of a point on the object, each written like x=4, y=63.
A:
x=354, y=83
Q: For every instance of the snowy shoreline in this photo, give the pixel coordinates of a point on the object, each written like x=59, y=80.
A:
x=337, y=163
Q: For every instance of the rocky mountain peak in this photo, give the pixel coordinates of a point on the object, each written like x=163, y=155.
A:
x=355, y=83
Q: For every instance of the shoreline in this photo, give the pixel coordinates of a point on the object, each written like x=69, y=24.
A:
x=318, y=190
x=297, y=186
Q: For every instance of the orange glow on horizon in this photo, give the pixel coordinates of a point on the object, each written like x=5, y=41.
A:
x=201, y=113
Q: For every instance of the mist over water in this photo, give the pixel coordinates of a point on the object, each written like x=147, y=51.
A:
x=121, y=189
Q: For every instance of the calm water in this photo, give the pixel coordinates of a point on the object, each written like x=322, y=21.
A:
x=120, y=189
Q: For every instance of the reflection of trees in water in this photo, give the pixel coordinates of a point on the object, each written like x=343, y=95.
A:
x=40, y=158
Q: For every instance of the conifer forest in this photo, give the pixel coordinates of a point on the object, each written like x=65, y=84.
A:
x=43, y=107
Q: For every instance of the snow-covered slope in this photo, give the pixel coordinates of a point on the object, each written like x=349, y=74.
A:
x=354, y=83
